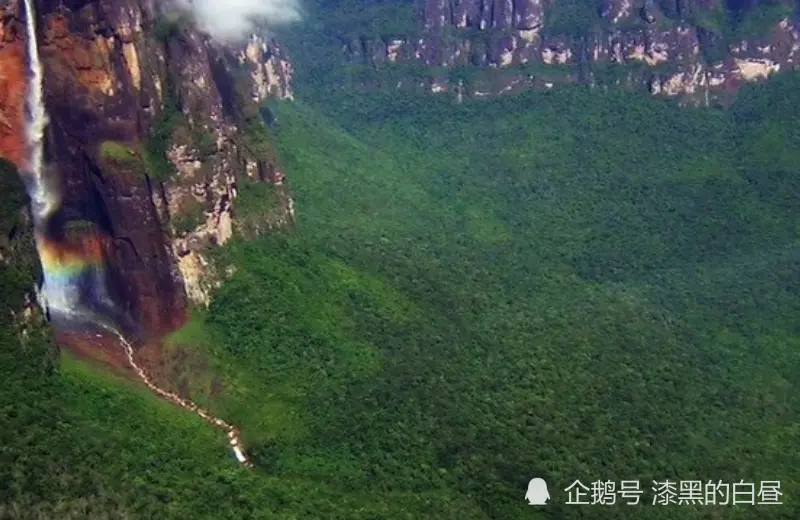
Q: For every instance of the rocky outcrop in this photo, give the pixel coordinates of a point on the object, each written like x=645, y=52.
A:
x=153, y=127
x=688, y=48
x=269, y=67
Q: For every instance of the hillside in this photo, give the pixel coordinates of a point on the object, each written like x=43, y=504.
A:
x=571, y=284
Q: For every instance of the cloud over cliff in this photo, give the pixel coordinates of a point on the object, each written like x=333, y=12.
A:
x=236, y=19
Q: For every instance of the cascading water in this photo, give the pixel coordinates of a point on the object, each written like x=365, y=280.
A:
x=44, y=199
x=60, y=290
x=233, y=433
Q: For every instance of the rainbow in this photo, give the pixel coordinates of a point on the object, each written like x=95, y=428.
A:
x=63, y=262
x=69, y=258
x=66, y=268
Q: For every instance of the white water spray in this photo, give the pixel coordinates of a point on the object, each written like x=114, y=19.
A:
x=62, y=296
x=44, y=200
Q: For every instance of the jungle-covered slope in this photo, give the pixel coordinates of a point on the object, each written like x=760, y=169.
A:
x=572, y=285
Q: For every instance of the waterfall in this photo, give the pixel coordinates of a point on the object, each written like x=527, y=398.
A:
x=60, y=292
x=44, y=196
x=44, y=200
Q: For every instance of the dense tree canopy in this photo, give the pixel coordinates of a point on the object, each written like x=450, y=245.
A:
x=571, y=285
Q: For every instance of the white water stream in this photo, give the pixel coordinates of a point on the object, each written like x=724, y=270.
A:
x=233, y=433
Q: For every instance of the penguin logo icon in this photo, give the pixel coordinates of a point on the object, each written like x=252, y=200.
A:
x=537, y=494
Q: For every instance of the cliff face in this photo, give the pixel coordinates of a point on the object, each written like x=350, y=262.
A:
x=154, y=130
x=698, y=49
x=12, y=91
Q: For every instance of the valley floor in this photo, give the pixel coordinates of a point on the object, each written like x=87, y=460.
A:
x=566, y=285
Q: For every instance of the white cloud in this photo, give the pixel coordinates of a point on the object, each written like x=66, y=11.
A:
x=236, y=19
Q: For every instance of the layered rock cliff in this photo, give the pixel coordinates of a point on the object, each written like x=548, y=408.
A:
x=155, y=130
x=697, y=49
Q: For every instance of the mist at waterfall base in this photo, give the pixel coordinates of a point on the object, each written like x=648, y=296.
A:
x=73, y=289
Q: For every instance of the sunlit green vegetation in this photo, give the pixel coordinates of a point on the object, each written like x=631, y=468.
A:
x=256, y=198
x=123, y=159
x=570, y=284
x=117, y=152
x=254, y=132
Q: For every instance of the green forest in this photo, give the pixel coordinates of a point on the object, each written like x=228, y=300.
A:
x=573, y=284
